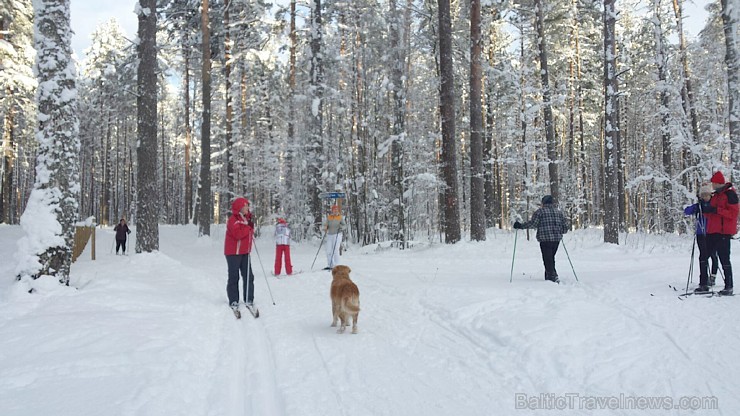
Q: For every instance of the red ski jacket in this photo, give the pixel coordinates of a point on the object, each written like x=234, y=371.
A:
x=724, y=221
x=239, y=230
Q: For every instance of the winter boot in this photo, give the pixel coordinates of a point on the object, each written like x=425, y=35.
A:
x=235, y=308
x=727, y=291
x=553, y=279
x=701, y=289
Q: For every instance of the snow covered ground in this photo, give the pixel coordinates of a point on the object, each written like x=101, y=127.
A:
x=441, y=332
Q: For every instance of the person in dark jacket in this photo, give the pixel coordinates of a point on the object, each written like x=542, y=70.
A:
x=237, y=246
x=121, y=230
x=721, y=226
x=705, y=194
x=551, y=225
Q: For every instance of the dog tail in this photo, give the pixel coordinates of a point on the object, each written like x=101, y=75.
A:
x=351, y=304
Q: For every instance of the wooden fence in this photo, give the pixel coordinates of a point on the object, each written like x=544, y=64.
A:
x=82, y=236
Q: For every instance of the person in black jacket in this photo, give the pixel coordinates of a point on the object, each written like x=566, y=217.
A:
x=121, y=230
x=551, y=225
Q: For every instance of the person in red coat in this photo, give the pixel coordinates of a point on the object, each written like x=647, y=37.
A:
x=721, y=226
x=237, y=246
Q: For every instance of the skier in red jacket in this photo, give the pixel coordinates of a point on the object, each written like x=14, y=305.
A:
x=721, y=226
x=237, y=246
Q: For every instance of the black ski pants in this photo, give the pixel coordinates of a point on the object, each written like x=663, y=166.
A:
x=701, y=242
x=239, y=264
x=121, y=244
x=549, y=248
x=720, y=244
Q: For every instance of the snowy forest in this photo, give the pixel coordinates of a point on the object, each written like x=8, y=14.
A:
x=438, y=119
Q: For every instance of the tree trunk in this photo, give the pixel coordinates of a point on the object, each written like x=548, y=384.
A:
x=477, y=180
x=551, y=144
x=56, y=191
x=611, y=127
x=205, y=210
x=148, y=198
x=451, y=224
x=687, y=92
x=399, y=124
x=231, y=190
x=291, y=145
x=660, y=60
x=733, y=80
x=188, y=136
x=315, y=145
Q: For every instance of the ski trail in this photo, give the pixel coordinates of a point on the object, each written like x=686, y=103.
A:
x=260, y=384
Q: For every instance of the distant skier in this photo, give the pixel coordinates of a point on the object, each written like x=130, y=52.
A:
x=705, y=194
x=334, y=226
x=121, y=230
x=237, y=246
x=282, y=247
x=721, y=226
x=551, y=225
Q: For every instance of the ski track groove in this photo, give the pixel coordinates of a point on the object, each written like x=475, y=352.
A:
x=334, y=387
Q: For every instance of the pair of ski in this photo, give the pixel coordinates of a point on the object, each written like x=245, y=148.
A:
x=251, y=308
x=285, y=276
x=682, y=296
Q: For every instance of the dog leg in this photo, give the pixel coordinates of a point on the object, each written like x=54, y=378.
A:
x=354, y=323
x=334, y=313
x=343, y=324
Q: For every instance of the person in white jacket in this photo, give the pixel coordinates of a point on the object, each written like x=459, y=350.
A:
x=334, y=226
x=282, y=247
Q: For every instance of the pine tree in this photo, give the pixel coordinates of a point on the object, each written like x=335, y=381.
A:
x=451, y=203
x=477, y=180
x=611, y=128
x=52, y=210
x=148, y=198
x=732, y=63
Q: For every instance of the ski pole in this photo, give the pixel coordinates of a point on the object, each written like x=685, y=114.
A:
x=263, y=272
x=571, y=263
x=689, y=278
x=317, y=251
x=511, y=277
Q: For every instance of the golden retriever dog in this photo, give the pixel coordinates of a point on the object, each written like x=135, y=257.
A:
x=345, y=299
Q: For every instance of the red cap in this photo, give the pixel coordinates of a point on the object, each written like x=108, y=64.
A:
x=719, y=178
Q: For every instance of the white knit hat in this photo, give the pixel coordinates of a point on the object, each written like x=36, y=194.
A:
x=705, y=189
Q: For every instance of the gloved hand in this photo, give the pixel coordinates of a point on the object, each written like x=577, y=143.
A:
x=518, y=225
x=249, y=219
x=709, y=210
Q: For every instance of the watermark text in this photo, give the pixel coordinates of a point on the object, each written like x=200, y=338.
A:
x=573, y=401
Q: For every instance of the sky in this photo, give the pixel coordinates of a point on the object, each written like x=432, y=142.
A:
x=88, y=14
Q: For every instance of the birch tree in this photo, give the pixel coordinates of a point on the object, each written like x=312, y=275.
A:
x=52, y=209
